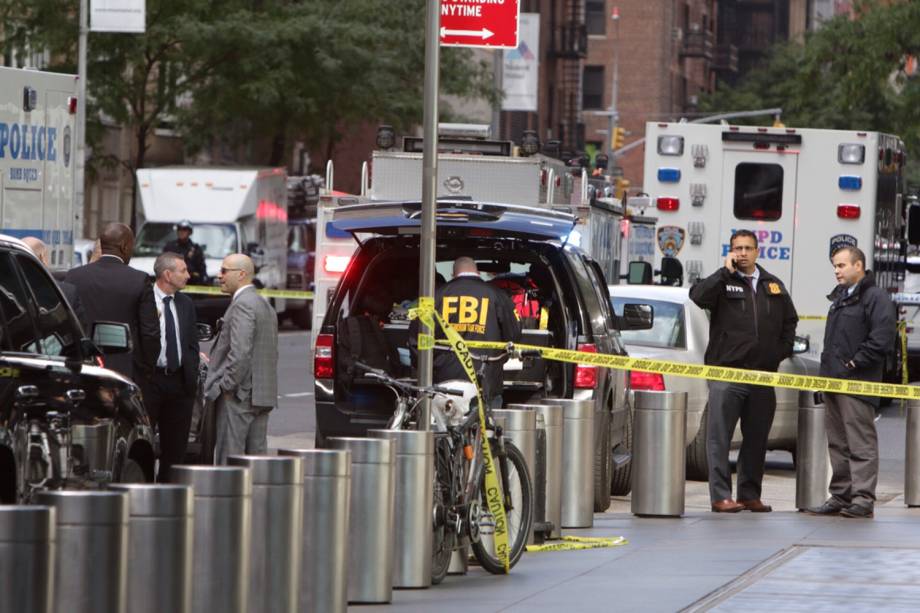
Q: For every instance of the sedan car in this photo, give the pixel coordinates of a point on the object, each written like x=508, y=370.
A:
x=680, y=333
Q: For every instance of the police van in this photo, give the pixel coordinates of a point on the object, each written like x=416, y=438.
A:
x=37, y=133
x=804, y=193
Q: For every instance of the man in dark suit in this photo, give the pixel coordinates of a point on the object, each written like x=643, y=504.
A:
x=110, y=290
x=169, y=358
x=40, y=249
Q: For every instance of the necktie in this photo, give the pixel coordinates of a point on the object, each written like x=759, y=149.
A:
x=172, y=347
x=750, y=281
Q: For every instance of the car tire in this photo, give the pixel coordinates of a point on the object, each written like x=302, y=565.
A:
x=697, y=464
x=132, y=472
x=621, y=482
x=603, y=461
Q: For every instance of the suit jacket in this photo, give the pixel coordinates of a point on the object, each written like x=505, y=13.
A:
x=151, y=343
x=244, y=357
x=73, y=298
x=111, y=291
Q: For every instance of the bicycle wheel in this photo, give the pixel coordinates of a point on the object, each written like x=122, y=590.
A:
x=442, y=542
x=519, y=514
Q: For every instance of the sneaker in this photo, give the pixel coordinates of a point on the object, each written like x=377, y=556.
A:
x=857, y=511
x=831, y=507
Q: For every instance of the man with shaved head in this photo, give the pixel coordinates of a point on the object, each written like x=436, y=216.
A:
x=40, y=249
x=243, y=371
x=111, y=291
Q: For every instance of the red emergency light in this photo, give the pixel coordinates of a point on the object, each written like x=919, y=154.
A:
x=668, y=204
x=848, y=211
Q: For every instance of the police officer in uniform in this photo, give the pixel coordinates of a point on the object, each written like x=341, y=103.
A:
x=479, y=312
x=191, y=251
x=752, y=326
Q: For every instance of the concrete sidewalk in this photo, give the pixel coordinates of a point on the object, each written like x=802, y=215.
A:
x=777, y=561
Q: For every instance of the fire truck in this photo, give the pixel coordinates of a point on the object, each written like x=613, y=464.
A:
x=804, y=192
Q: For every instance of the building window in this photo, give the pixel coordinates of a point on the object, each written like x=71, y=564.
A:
x=593, y=87
x=596, y=17
x=758, y=191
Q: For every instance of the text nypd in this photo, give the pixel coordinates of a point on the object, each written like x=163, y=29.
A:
x=770, y=245
x=28, y=142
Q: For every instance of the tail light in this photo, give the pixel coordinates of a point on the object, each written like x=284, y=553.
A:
x=848, y=211
x=324, y=357
x=585, y=374
x=335, y=263
x=642, y=380
x=100, y=362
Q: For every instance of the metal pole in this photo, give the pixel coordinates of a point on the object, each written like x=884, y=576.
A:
x=429, y=194
x=614, y=116
x=498, y=78
x=80, y=145
x=911, y=460
x=27, y=554
x=812, y=473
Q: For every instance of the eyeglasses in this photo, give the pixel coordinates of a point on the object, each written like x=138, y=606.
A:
x=224, y=271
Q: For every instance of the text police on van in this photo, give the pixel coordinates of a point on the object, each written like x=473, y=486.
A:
x=28, y=142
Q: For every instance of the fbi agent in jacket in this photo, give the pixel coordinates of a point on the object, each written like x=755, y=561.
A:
x=752, y=325
x=859, y=334
x=479, y=312
x=190, y=251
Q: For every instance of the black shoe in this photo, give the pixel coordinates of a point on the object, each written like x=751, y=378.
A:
x=831, y=507
x=858, y=511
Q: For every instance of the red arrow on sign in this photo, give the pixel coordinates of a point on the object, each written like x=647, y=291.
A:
x=480, y=23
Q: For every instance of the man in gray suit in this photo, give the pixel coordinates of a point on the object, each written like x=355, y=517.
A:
x=242, y=375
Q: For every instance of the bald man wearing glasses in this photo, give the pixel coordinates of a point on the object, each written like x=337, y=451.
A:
x=242, y=376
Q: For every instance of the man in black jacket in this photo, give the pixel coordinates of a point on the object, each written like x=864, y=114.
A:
x=752, y=325
x=169, y=358
x=859, y=334
x=110, y=290
x=479, y=312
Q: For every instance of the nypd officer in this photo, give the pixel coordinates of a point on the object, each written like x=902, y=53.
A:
x=752, y=326
x=479, y=312
x=191, y=251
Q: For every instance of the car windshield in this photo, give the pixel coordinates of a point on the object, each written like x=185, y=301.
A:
x=216, y=240
x=668, y=330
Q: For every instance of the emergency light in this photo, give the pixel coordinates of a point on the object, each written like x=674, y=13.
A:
x=851, y=153
x=336, y=263
x=671, y=145
x=668, y=204
x=848, y=211
x=850, y=182
x=669, y=175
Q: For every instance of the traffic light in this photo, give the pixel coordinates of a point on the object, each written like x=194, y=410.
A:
x=619, y=135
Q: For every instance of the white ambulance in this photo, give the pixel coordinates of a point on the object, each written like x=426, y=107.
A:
x=37, y=136
x=804, y=192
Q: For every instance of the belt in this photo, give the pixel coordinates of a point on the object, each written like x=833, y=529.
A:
x=162, y=370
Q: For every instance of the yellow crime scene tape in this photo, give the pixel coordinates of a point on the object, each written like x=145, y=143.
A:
x=268, y=293
x=718, y=373
x=575, y=543
x=494, y=497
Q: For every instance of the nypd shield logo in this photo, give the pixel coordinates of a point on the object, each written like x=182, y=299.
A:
x=670, y=240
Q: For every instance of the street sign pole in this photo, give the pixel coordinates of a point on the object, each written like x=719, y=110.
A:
x=429, y=195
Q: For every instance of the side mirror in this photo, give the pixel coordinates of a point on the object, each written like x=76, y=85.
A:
x=640, y=273
x=672, y=271
x=255, y=251
x=112, y=337
x=800, y=345
x=913, y=224
x=204, y=332
x=637, y=317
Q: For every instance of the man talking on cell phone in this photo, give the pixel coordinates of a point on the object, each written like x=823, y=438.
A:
x=752, y=325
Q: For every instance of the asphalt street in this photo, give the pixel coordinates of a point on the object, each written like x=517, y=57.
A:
x=784, y=560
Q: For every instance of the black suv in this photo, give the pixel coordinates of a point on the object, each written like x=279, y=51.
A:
x=65, y=422
x=514, y=247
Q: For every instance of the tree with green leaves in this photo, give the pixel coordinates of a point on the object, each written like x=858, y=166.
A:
x=851, y=74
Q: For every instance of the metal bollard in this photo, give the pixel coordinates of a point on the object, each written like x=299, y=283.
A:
x=91, y=557
x=812, y=464
x=414, y=498
x=324, y=542
x=277, y=524
x=552, y=425
x=521, y=429
x=223, y=526
x=577, y=482
x=912, y=455
x=27, y=558
x=370, y=532
x=659, y=453
x=160, y=533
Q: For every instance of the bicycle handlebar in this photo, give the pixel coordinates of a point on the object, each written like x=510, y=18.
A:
x=378, y=374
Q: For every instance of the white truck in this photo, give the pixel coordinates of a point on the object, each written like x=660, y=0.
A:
x=37, y=135
x=804, y=192
x=473, y=168
x=232, y=210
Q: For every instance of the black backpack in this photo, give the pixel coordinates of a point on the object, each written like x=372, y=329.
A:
x=360, y=339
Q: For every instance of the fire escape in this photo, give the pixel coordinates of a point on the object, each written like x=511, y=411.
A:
x=570, y=47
